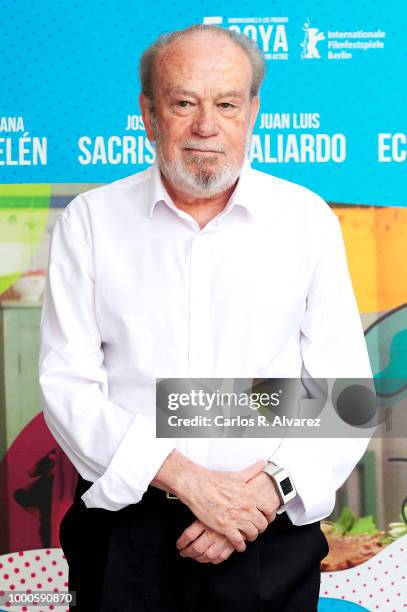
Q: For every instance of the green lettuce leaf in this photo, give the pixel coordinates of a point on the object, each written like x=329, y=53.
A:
x=344, y=522
x=364, y=526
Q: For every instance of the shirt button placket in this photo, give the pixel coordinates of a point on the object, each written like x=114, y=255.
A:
x=200, y=306
x=199, y=350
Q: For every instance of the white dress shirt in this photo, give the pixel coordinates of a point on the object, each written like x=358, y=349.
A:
x=137, y=291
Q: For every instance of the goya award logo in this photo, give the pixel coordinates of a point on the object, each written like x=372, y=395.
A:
x=270, y=33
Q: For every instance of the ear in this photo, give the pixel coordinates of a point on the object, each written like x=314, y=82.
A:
x=254, y=110
x=147, y=117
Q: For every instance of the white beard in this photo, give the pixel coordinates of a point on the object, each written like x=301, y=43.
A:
x=202, y=182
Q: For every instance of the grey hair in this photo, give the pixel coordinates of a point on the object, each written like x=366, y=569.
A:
x=252, y=51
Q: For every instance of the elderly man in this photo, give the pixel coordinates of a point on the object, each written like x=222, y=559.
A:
x=197, y=267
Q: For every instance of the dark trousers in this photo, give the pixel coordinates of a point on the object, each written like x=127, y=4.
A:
x=127, y=561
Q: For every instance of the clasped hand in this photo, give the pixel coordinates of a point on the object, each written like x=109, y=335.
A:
x=230, y=507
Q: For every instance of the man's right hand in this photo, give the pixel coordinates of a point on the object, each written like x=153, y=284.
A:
x=220, y=499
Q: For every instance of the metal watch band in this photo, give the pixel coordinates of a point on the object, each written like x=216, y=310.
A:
x=271, y=469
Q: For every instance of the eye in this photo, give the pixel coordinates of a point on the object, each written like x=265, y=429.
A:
x=227, y=105
x=183, y=103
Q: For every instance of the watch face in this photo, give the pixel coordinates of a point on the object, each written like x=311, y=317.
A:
x=286, y=486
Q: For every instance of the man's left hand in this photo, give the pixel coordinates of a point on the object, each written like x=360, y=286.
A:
x=206, y=545
x=264, y=490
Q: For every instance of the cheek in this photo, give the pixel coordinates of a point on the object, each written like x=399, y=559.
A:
x=235, y=132
x=167, y=142
x=172, y=150
x=238, y=144
x=172, y=137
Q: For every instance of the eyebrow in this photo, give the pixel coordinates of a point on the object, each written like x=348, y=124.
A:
x=232, y=93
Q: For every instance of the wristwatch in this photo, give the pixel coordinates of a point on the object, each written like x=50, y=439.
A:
x=284, y=485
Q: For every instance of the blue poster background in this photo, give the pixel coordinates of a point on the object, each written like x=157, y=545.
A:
x=70, y=70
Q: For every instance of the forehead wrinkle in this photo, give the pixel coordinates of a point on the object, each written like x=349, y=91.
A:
x=235, y=93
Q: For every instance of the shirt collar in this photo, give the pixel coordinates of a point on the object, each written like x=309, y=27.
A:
x=242, y=196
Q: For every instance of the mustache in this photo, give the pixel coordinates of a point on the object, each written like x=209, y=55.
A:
x=200, y=146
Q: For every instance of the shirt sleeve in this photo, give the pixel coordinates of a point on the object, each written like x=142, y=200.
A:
x=107, y=444
x=333, y=346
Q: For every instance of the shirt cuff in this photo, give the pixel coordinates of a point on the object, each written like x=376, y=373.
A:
x=313, y=481
x=132, y=468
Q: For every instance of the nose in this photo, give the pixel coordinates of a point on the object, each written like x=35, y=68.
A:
x=204, y=123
